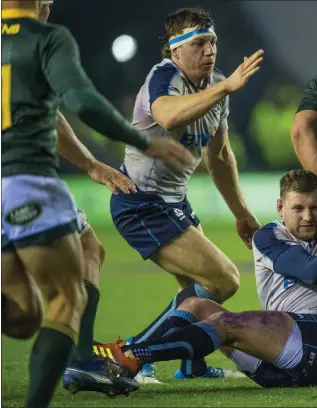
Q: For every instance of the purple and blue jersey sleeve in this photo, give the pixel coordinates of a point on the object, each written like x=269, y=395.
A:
x=163, y=82
x=289, y=258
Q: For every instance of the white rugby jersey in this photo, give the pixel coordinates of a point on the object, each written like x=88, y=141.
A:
x=155, y=176
x=285, y=270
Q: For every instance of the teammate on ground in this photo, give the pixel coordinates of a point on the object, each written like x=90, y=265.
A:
x=304, y=129
x=185, y=98
x=275, y=347
x=40, y=238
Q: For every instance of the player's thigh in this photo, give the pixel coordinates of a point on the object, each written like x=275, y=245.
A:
x=262, y=334
x=58, y=267
x=192, y=255
x=21, y=290
x=184, y=280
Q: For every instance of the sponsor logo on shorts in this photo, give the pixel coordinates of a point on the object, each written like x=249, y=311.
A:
x=311, y=358
x=24, y=214
x=179, y=213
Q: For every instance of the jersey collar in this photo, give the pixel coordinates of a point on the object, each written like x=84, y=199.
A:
x=17, y=13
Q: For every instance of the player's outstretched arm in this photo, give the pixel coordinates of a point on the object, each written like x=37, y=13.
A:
x=80, y=97
x=304, y=129
x=304, y=137
x=173, y=111
x=71, y=148
x=223, y=169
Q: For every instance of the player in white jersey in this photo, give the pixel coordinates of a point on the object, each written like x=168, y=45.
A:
x=185, y=98
x=276, y=347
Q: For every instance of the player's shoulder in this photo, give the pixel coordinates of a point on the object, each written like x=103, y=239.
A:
x=270, y=233
x=54, y=31
x=166, y=68
x=312, y=84
x=166, y=73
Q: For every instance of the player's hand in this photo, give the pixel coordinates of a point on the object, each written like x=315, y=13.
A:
x=112, y=178
x=244, y=72
x=246, y=227
x=171, y=151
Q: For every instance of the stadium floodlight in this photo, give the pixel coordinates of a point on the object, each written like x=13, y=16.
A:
x=124, y=48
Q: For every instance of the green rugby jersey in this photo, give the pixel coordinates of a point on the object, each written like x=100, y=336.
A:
x=40, y=63
x=309, y=100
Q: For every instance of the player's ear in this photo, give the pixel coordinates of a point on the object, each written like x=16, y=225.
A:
x=175, y=53
x=280, y=207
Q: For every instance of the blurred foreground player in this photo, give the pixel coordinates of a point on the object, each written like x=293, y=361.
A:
x=83, y=370
x=185, y=98
x=40, y=241
x=304, y=129
x=276, y=347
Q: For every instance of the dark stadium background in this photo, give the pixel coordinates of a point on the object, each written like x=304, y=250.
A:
x=282, y=28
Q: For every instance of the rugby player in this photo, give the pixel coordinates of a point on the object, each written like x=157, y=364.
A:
x=276, y=347
x=304, y=129
x=75, y=378
x=40, y=241
x=185, y=98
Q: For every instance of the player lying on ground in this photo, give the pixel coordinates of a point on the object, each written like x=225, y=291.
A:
x=276, y=347
x=185, y=98
x=40, y=242
x=304, y=129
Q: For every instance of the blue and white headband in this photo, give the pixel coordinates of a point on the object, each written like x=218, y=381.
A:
x=189, y=34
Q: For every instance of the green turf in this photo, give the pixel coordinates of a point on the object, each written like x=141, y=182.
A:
x=132, y=295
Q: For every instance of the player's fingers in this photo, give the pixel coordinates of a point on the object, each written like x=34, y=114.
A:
x=119, y=184
x=127, y=182
x=251, y=73
x=246, y=239
x=183, y=156
x=250, y=60
x=255, y=64
x=111, y=186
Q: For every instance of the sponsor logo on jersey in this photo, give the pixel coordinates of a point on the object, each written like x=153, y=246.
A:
x=24, y=214
x=10, y=29
x=288, y=283
x=189, y=139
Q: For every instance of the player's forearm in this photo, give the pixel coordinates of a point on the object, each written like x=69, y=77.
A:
x=70, y=147
x=174, y=111
x=224, y=172
x=304, y=137
x=97, y=113
x=296, y=263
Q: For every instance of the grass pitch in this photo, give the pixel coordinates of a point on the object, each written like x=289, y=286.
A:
x=133, y=293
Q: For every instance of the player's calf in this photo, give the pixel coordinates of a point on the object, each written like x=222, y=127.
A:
x=22, y=300
x=21, y=321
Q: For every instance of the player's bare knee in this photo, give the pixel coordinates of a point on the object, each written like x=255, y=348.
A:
x=230, y=281
x=233, y=282
x=223, y=279
x=195, y=306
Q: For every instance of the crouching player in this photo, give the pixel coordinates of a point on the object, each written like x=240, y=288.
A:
x=276, y=347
